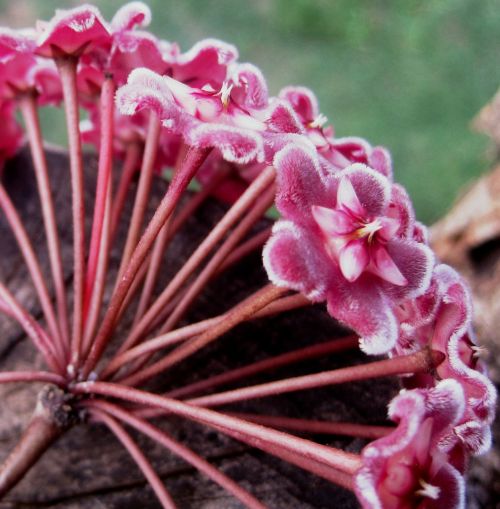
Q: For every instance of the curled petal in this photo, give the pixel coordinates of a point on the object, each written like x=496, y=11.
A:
x=380, y=160
x=363, y=308
x=72, y=32
x=299, y=184
x=236, y=145
x=250, y=86
x=292, y=260
x=303, y=102
x=131, y=15
x=205, y=63
x=283, y=119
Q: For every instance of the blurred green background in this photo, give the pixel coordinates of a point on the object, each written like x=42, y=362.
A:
x=406, y=74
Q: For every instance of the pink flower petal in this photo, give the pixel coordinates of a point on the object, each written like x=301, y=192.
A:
x=72, y=32
x=353, y=259
x=332, y=222
x=347, y=198
x=384, y=267
x=132, y=14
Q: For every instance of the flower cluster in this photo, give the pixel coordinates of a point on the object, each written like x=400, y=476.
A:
x=347, y=235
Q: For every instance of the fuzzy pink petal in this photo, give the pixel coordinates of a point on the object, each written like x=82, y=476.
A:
x=236, y=145
x=372, y=189
x=299, y=184
x=363, y=308
x=401, y=209
x=415, y=262
x=353, y=259
x=303, y=102
x=205, y=63
x=146, y=90
x=132, y=14
x=250, y=86
x=294, y=260
x=380, y=160
x=283, y=119
x=72, y=32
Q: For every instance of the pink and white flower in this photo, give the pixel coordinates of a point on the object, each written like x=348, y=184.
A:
x=343, y=240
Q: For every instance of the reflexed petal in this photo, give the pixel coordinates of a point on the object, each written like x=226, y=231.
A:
x=332, y=222
x=283, y=119
x=293, y=260
x=72, y=31
x=299, y=184
x=303, y=102
x=131, y=15
x=384, y=267
x=365, y=309
x=205, y=63
x=250, y=89
x=236, y=145
x=353, y=259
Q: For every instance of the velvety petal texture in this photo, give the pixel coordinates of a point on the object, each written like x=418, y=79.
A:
x=409, y=468
x=352, y=223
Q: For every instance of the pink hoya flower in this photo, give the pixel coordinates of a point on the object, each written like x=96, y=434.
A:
x=344, y=239
x=72, y=32
x=297, y=111
x=21, y=71
x=128, y=48
x=411, y=467
x=225, y=118
x=441, y=318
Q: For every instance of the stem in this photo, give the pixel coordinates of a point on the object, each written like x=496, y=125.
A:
x=237, y=315
x=166, y=234
x=180, y=450
x=67, y=72
x=143, y=189
x=153, y=267
x=139, y=457
x=189, y=331
x=105, y=166
x=31, y=376
x=48, y=422
x=324, y=427
x=100, y=278
x=262, y=182
x=309, y=352
x=422, y=361
x=258, y=436
x=34, y=269
x=253, y=215
x=192, y=162
x=132, y=159
x=27, y=105
x=33, y=330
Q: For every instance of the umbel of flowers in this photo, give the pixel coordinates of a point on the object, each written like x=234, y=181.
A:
x=347, y=235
